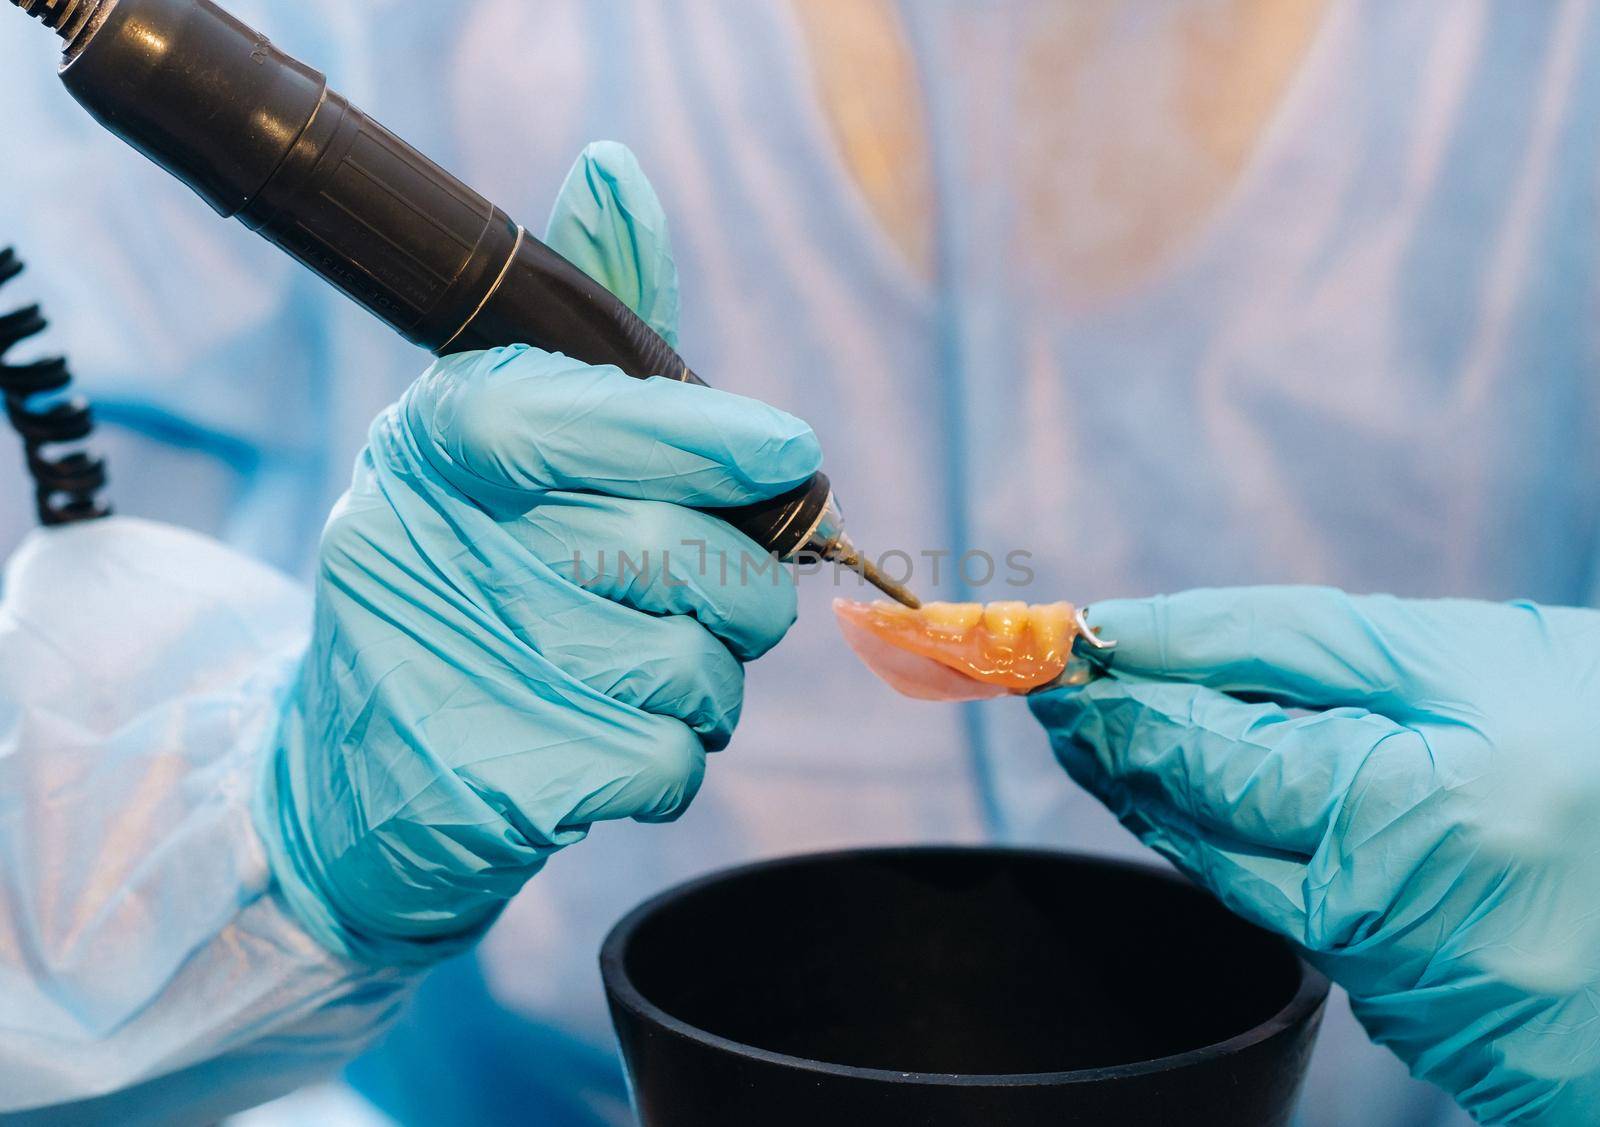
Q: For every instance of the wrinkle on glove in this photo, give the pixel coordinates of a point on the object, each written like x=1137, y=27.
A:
x=146, y=972
x=1425, y=831
x=520, y=627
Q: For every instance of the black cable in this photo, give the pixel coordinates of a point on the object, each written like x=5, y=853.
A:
x=66, y=484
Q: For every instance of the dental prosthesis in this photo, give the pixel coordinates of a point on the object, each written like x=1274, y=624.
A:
x=964, y=651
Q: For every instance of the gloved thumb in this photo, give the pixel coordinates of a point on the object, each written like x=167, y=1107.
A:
x=1307, y=647
x=609, y=223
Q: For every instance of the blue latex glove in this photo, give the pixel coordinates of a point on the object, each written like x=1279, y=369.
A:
x=487, y=677
x=1427, y=831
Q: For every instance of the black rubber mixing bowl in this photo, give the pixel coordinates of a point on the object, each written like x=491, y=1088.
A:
x=954, y=986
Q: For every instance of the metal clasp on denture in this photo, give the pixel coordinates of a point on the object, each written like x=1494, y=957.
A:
x=1091, y=656
x=1088, y=644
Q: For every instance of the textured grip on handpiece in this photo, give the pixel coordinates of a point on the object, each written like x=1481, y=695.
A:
x=382, y=222
x=540, y=288
x=260, y=136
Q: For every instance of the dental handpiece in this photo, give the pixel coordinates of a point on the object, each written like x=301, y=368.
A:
x=260, y=136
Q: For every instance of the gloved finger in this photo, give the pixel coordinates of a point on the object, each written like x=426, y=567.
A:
x=686, y=674
x=670, y=666
x=653, y=779
x=597, y=760
x=664, y=663
x=508, y=424
x=665, y=560
x=608, y=222
x=1314, y=647
x=1248, y=773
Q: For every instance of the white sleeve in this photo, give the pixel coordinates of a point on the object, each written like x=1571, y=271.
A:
x=147, y=969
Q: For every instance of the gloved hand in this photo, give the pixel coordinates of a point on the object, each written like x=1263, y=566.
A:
x=1426, y=832
x=521, y=629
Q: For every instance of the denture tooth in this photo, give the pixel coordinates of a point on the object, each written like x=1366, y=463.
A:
x=1052, y=627
x=1005, y=621
x=951, y=619
x=887, y=608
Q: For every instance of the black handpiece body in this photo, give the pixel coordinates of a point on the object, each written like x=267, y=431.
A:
x=260, y=136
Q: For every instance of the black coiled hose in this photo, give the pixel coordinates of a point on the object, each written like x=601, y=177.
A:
x=66, y=484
